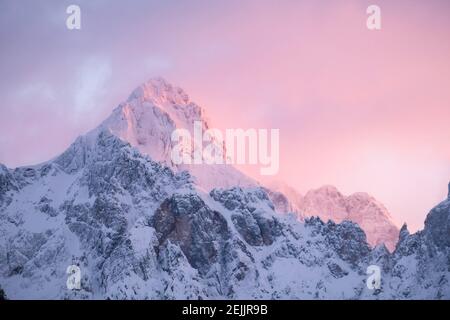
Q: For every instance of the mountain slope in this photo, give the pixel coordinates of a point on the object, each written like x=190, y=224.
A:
x=137, y=230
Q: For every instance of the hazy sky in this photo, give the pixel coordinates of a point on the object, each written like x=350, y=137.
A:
x=362, y=110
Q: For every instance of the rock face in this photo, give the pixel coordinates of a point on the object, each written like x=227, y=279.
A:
x=248, y=218
x=2, y=294
x=329, y=204
x=414, y=252
x=201, y=233
x=437, y=224
x=141, y=229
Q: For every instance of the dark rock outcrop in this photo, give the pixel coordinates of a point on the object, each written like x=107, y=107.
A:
x=186, y=221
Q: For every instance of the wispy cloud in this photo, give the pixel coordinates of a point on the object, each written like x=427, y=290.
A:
x=90, y=86
x=39, y=90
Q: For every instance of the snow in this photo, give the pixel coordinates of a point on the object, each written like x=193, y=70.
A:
x=219, y=235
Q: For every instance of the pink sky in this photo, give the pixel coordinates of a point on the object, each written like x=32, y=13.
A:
x=362, y=110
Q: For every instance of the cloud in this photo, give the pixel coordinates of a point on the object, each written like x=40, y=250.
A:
x=156, y=64
x=39, y=90
x=90, y=85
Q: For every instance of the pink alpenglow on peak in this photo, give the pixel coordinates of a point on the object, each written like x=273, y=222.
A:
x=147, y=120
x=329, y=204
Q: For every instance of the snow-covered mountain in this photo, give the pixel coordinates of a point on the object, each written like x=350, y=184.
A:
x=139, y=227
x=329, y=204
x=147, y=119
x=155, y=109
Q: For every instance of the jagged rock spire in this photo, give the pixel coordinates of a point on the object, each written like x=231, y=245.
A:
x=404, y=232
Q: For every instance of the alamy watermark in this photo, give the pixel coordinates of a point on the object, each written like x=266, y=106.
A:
x=374, y=280
x=373, y=21
x=74, y=279
x=73, y=21
x=236, y=146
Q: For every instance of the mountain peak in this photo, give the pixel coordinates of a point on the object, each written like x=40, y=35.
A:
x=147, y=120
x=329, y=203
x=158, y=98
x=404, y=231
x=361, y=196
x=158, y=90
x=327, y=190
x=148, y=117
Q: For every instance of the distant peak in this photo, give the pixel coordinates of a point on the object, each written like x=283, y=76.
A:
x=361, y=195
x=158, y=83
x=159, y=90
x=328, y=189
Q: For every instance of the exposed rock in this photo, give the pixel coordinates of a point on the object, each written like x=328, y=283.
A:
x=186, y=221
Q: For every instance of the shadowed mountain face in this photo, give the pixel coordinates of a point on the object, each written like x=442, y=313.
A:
x=138, y=228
